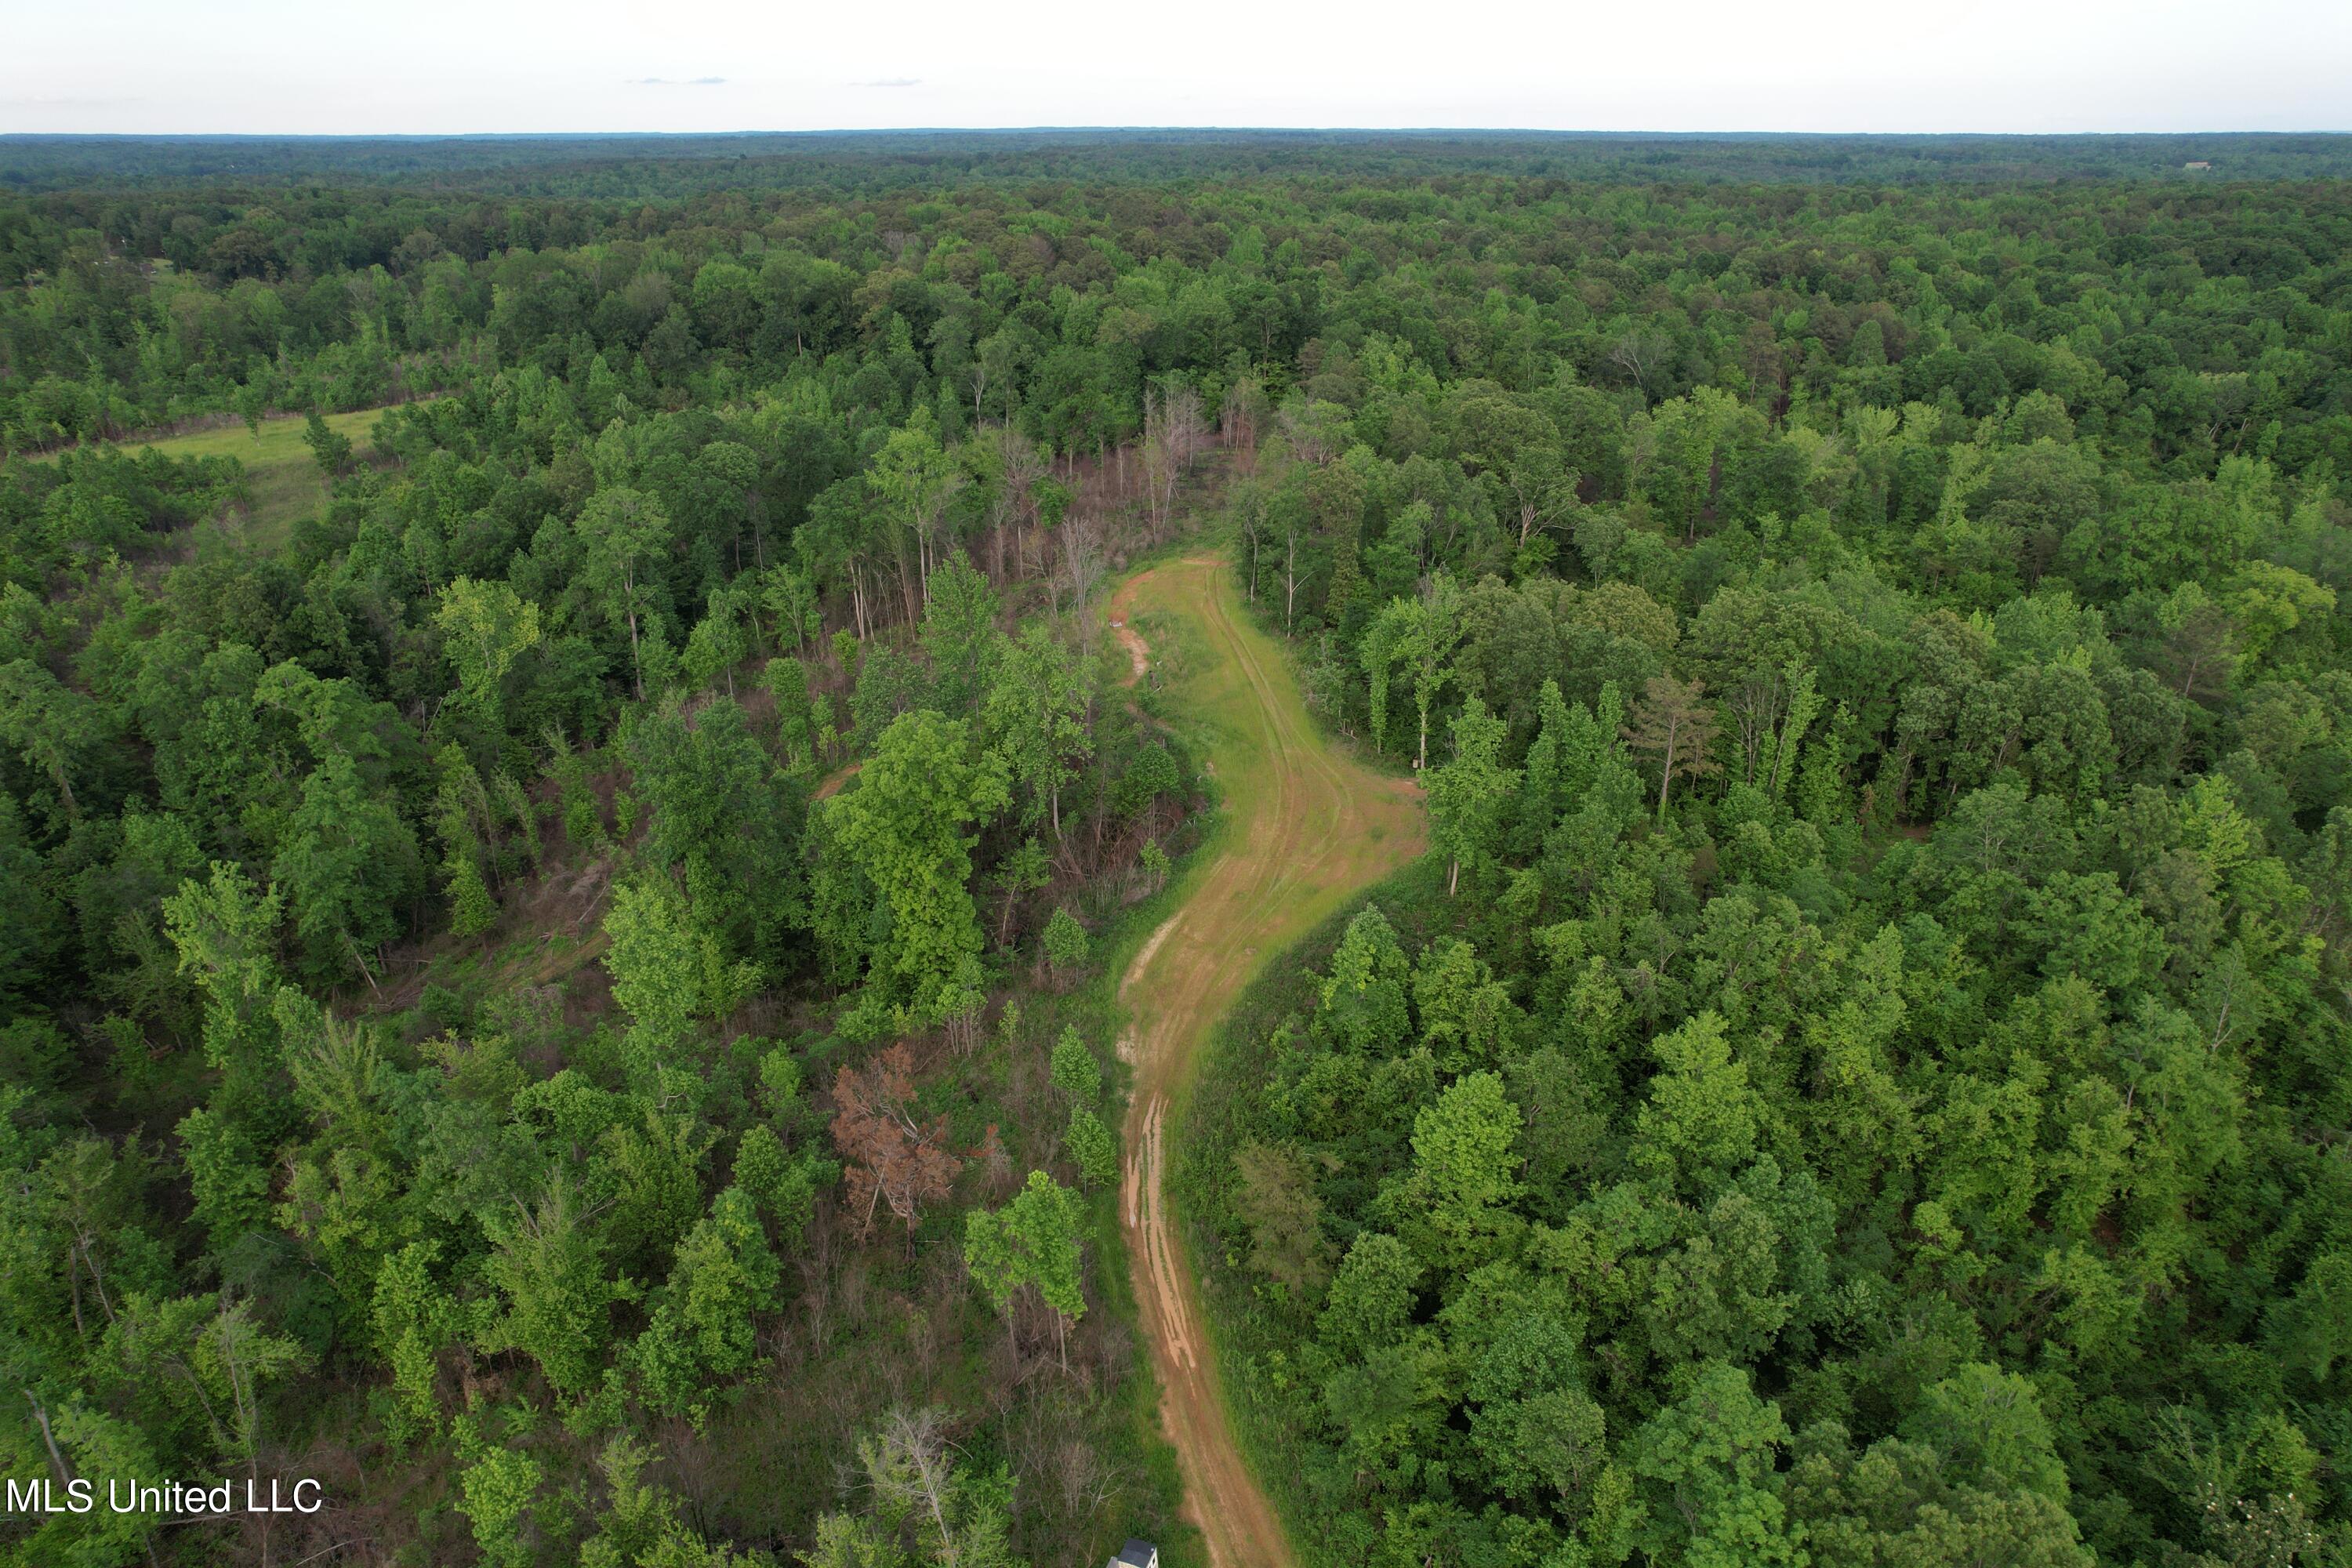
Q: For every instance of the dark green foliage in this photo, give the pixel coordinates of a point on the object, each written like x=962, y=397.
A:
x=1750, y=1183
x=332, y=451
x=1876, y=1090
x=725, y=819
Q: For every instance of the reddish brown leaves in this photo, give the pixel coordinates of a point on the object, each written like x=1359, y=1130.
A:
x=891, y=1159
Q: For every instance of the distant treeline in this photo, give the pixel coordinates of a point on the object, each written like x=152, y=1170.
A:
x=636, y=168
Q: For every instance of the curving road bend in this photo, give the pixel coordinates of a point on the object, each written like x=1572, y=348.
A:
x=1305, y=827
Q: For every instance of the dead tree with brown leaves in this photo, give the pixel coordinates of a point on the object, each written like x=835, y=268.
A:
x=892, y=1159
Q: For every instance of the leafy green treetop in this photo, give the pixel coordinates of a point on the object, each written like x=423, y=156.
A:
x=904, y=824
x=1031, y=1243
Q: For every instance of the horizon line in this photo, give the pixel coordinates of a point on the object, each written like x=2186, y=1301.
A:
x=1289, y=130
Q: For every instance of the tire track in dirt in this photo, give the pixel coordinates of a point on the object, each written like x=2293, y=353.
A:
x=1305, y=827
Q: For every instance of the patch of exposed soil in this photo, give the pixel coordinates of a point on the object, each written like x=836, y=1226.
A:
x=1139, y=652
x=836, y=779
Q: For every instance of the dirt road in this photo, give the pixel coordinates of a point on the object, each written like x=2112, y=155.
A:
x=1305, y=827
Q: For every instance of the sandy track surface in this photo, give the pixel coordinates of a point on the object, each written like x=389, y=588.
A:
x=1307, y=827
x=1139, y=652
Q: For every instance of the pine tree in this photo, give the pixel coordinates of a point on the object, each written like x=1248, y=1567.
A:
x=1676, y=725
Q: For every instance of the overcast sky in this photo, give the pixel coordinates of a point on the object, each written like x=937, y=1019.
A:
x=451, y=66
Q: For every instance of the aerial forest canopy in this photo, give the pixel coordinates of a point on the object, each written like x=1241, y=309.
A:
x=550, y=932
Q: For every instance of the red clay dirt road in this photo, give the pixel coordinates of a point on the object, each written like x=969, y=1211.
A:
x=1305, y=826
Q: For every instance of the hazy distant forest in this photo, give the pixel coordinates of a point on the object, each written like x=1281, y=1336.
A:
x=567, y=813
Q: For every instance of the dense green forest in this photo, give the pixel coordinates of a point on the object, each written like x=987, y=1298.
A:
x=639, y=166
x=563, y=992
x=1866, y=1079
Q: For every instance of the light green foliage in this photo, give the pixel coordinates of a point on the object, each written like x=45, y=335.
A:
x=1066, y=944
x=1421, y=634
x=719, y=641
x=1467, y=1016
x=97, y=1443
x=1025, y=869
x=668, y=968
x=202, y=1361
x=461, y=818
x=623, y=533
x=701, y=1328
x=517, y=809
x=346, y=862
x=330, y=448
x=791, y=597
x=649, y=1159
x=784, y=1188
x=222, y=929
x=485, y=628
x=416, y=1319
x=639, y=1525
x=1707, y=1461
x=924, y=1507
x=1470, y=796
x=1701, y=1119
x=1363, y=1005
x=550, y=1268
x=1455, y=1201
x=2269, y=601
x=914, y=476
x=583, y=827
x=904, y=826
x=226, y=1174
x=1986, y=1426
x=1776, y=765
x=498, y=1489
x=1076, y=1073
x=472, y=910
x=1371, y=1303
x=1091, y=1148
x=1031, y=1243
x=1896, y=1503
x=226, y=1357
x=1035, y=703
x=802, y=717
